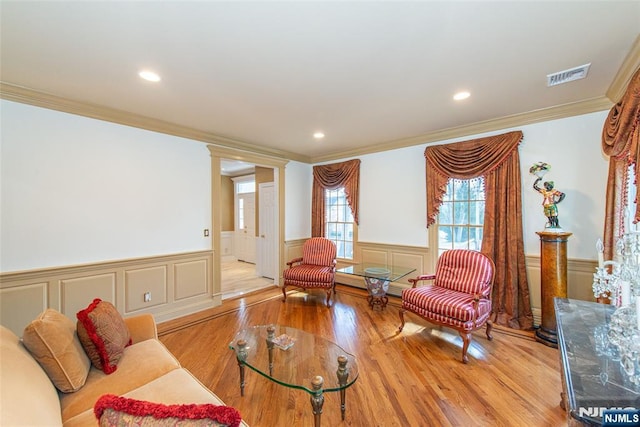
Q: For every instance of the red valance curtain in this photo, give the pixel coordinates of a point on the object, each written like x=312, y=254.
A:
x=621, y=142
x=497, y=161
x=329, y=177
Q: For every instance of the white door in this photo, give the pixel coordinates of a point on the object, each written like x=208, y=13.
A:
x=266, y=266
x=246, y=227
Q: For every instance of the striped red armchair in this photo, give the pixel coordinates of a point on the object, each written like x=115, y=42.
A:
x=460, y=296
x=315, y=269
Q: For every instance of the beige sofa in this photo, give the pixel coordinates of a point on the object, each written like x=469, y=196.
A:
x=147, y=371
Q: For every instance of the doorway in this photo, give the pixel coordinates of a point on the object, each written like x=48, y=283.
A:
x=278, y=166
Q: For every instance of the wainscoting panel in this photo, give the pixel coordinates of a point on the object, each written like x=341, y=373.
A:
x=226, y=246
x=77, y=293
x=191, y=279
x=373, y=256
x=179, y=284
x=410, y=260
x=19, y=306
x=140, y=281
x=292, y=250
x=378, y=253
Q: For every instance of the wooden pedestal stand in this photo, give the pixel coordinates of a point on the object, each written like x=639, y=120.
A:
x=553, y=282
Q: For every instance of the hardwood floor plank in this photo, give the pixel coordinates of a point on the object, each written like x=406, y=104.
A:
x=412, y=378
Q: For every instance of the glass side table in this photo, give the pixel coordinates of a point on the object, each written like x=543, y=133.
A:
x=377, y=278
x=296, y=359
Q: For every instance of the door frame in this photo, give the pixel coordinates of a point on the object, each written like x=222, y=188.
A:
x=217, y=154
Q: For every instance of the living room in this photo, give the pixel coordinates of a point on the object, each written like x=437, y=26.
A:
x=97, y=202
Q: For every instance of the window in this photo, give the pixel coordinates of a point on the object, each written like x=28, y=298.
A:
x=461, y=217
x=339, y=223
x=243, y=187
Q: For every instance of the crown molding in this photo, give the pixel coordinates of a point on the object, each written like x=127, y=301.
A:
x=24, y=95
x=535, y=116
x=628, y=68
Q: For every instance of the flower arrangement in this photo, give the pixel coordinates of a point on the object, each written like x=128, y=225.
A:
x=540, y=169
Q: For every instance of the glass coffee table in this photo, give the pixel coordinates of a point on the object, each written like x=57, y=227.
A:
x=377, y=278
x=296, y=359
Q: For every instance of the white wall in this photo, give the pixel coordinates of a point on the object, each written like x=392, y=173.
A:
x=76, y=190
x=393, y=195
x=297, y=195
x=572, y=147
x=393, y=206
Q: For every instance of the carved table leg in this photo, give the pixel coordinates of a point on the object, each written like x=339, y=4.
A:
x=343, y=374
x=270, y=335
x=317, y=399
x=241, y=356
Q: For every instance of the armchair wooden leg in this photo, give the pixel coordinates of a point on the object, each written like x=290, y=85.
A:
x=401, y=314
x=284, y=292
x=466, y=340
x=329, y=298
x=489, y=328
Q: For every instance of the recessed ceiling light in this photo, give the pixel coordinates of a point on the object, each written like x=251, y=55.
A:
x=461, y=95
x=149, y=76
x=318, y=135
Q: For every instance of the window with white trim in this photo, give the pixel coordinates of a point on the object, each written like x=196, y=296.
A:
x=339, y=223
x=461, y=218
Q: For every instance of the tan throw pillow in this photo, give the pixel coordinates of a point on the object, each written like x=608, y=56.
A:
x=103, y=334
x=112, y=410
x=52, y=341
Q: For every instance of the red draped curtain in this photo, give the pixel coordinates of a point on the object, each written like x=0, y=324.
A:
x=497, y=161
x=621, y=142
x=330, y=177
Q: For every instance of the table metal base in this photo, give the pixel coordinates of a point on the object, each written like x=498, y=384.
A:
x=377, y=289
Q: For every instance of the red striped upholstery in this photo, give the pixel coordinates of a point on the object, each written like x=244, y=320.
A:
x=316, y=268
x=464, y=271
x=310, y=276
x=318, y=251
x=460, y=296
x=446, y=306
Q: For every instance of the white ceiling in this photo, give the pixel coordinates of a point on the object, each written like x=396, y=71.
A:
x=270, y=74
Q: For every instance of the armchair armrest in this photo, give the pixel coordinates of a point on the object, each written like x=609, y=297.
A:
x=414, y=282
x=142, y=327
x=294, y=261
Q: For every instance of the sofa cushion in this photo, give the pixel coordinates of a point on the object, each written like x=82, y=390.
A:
x=52, y=341
x=28, y=396
x=113, y=410
x=103, y=334
x=141, y=363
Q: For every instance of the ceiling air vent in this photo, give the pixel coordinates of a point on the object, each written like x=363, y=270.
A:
x=566, y=76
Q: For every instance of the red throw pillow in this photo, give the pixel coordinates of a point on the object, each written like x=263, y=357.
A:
x=103, y=334
x=113, y=410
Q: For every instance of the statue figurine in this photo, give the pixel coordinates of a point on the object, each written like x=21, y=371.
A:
x=551, y=198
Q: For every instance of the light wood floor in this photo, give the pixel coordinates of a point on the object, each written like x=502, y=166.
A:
x=239, y=278
x=413, y=378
